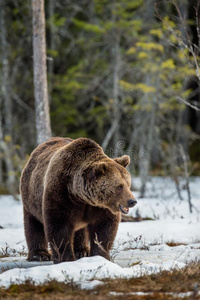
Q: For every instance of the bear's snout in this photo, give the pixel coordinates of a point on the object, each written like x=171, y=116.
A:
x=132, y=202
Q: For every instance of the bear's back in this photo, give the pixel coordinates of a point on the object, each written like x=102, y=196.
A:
x=31, y=183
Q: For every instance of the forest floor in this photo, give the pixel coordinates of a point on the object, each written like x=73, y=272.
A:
x=157, y=257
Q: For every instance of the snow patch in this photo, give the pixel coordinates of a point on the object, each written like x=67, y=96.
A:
x=140, y=247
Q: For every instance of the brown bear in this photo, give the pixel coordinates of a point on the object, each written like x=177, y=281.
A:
x=72, y=197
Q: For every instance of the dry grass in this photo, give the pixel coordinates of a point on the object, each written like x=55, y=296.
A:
x=7, y=251
x=165, y=285
x=178, y=281
x=174, y=244
x=135, y=219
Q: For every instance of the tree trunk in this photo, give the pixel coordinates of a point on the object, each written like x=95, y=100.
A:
x=116, y=78
x=6, y=106
x=43, y=127
x=116, y=91
x=1, y=140
x=51, y=46
x=109, y=135
x=147, y=144
x=1, y=100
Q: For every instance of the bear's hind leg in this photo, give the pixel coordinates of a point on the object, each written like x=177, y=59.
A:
x=35, y=237
x=81, y=248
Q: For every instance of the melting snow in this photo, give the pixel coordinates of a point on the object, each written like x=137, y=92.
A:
x=139, y=248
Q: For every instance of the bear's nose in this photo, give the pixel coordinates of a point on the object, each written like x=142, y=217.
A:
x=132, y=202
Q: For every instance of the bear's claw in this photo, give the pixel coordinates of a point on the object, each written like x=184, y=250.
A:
x=82, y=254
x=40, y=256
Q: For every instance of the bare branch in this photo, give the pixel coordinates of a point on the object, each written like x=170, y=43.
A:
x=188, y=104
x=22, y=103
x=57, y=249
x=189, y=46
x=197, y=23
x=96, y=241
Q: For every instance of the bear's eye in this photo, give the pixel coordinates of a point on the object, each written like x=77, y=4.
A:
x=120, y=187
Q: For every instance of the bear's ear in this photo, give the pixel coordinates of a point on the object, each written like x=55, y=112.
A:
x=123, y=160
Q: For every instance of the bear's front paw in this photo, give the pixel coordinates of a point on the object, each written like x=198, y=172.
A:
x=82, y=253
x=60, y=258
x=39, y=255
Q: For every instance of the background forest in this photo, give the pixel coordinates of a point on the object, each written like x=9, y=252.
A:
x=124, y=73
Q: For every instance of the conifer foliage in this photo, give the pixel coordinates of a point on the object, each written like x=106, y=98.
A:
x=124, y=73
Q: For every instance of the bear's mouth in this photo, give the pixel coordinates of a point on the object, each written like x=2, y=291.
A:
x=124, y=209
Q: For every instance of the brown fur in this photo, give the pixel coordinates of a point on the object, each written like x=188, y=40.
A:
x=71, y=193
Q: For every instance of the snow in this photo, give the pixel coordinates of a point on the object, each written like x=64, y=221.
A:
x=140, y=247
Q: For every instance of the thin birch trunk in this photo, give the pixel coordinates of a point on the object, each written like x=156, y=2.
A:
x=6, y=105
x=52, y=47
x=116, y=107
x=1, y=140
x=113, y=132
x=43, y=128
x=147, y=147
x=187, y=179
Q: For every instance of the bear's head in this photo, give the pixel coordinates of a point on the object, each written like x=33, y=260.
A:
x=106, y=183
